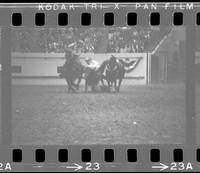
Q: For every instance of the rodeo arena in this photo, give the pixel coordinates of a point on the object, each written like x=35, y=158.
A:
x=116, y=85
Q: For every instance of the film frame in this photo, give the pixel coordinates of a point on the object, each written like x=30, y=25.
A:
x=120, y=162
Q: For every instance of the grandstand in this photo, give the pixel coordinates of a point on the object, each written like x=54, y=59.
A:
x=96, y=40
x=164, y=46
x=161, y=59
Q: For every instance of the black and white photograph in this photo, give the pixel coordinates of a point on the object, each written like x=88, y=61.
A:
x=107, y=85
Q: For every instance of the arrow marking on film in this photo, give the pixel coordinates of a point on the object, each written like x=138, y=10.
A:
x=161, y=167
x=76, y=167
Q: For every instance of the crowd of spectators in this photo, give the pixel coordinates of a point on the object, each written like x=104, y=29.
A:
x=118, y=39
x=128, y=40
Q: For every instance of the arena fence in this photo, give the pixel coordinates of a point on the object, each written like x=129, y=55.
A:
x=43, y=68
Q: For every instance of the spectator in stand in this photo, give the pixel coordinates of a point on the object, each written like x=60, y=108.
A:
x=116, y=49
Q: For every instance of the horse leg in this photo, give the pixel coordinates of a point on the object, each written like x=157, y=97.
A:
x=109, y=85
x=93, y=88
x=78, y=83
x=68, y=85
x=86, y=85
x=102, y=81
x=71, y=84
x=79, y=80
x=86, y=88
x=72, y=89
x=116, y=88
x=112, y=85
x=120, y=81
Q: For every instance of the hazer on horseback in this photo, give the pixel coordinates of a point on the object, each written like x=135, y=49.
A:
x=114, y=70
x=71, y=70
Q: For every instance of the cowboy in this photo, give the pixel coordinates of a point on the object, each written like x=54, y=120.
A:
x=68, y=53
x=113, y=63
x=92, y=63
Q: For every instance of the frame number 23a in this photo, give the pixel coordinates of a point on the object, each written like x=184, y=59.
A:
x=179, y=166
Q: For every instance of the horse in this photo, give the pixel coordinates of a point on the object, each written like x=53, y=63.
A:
x=71, y=71
x=114, y=70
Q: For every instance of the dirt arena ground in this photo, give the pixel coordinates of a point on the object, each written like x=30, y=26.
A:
x=153, y=114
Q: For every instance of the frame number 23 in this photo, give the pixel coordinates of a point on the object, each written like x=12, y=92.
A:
x=92, y=166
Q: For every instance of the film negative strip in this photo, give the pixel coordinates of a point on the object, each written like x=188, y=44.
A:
x=100, y=87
